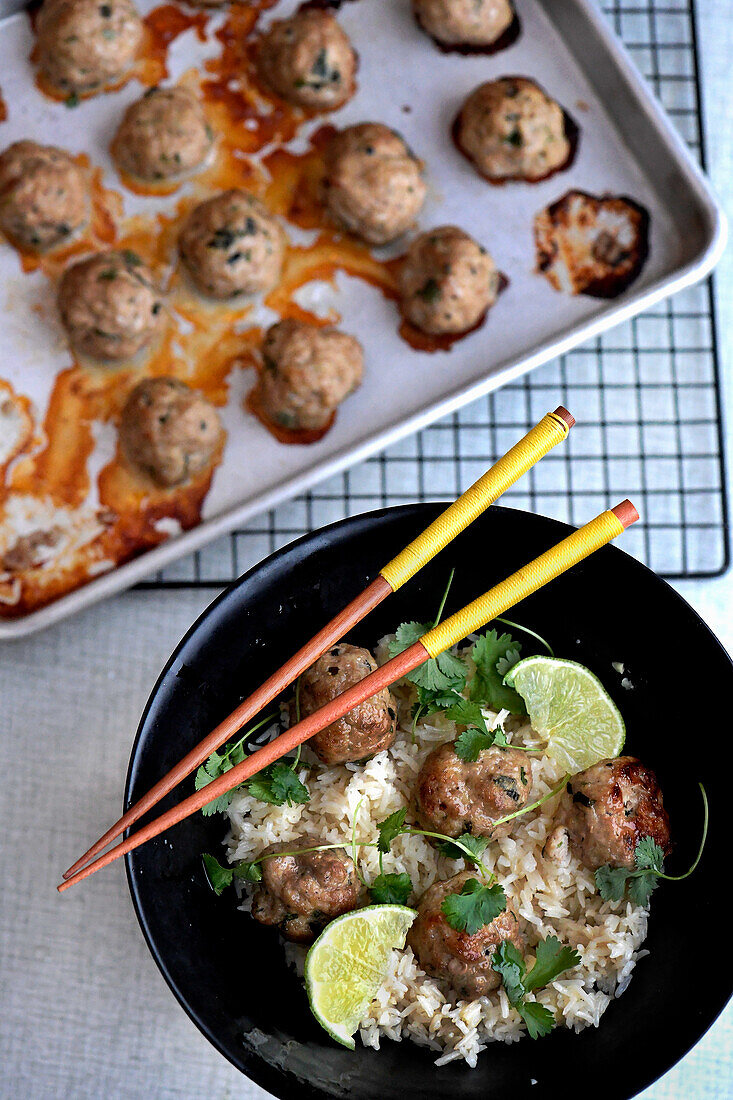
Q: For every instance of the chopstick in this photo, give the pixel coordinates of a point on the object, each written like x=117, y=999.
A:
x=558, y=559
x=552, y=429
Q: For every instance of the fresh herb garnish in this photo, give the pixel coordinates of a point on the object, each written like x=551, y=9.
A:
x=552, y=959
x=475, y=906
x=615, y=883
x=391, y=889
x=221, y=762
x=278, y=784
x=474, y=845
x=219, y=877
x=494, y=655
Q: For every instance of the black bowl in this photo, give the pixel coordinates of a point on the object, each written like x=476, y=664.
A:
x=229, y=973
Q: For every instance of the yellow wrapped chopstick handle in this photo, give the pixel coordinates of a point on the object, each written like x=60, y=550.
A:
x=552, y=429
x=522, y=583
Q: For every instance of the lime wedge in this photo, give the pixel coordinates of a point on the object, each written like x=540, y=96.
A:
x=570, y=707
x=349, y=961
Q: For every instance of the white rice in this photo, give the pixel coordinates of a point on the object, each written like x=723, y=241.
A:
x=553, y=896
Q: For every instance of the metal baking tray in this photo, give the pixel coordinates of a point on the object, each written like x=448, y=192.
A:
x=628, y=146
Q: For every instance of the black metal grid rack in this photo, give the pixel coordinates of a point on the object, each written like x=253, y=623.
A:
x=646, y=394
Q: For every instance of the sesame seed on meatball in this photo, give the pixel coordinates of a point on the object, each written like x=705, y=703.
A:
x=109, y=305
x=309, y=60
x=447, y=281
x=44, y=198
x=374, y=186
x=231, y=244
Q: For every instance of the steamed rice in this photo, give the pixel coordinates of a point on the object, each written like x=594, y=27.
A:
x=553, y=896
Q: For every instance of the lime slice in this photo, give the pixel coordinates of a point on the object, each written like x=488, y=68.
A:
x=570, y=707
x=349, y=961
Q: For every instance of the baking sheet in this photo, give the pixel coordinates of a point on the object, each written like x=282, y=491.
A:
x=406, y=82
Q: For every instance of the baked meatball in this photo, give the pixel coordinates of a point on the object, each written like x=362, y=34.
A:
x=163, y=135
x=609, y=808
x=231, y=245
x=44, y=197
x=463, y=961
x=374, y=185
x=363, y=731
x=454, y=796
x=589, y=245
x=307, y=372
x=447, y=281
x=309, y=60
x=169, y=431
x=109, y=305
x=301, y=893
x=512, y=130
x=85, y=44
x=476, y=23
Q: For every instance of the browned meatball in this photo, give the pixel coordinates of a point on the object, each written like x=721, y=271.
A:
x=44, y=198
x=447, y=281
x=374, y=185
x=232, y=245
x=109, y=305
x=361, y=732
x=163, y=135
x=85, y=44
x=477, y=23
x=309, y=60
x=169, y=431
x=609, y=808
x=511, y=129
x=455, y=797
x=307, y=372
x=463, y=961
x=588, y=244
x=302, y=893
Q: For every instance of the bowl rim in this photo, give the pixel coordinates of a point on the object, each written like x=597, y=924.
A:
x=260, y=1071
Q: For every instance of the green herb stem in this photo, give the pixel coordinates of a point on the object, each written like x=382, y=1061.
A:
x=534, y=805
x=526, y=630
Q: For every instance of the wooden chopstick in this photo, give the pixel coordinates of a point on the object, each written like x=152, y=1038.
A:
x=552, y=429
x=496, y=601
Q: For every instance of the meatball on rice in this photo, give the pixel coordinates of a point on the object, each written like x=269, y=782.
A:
x=374, y=186
x=44, y=198
x=169, y=431
x=109, y=305
x=590, y=245
x=231, y=244
x=462, y=960
x=300, y=893
x=309, y=60
x=307, y=372
x=474, y=23
x=455, y=796
x=608, y=808
x=86, y=44
x=447, y=281
x=163, y=135
x=512, y=130
x=363, y=731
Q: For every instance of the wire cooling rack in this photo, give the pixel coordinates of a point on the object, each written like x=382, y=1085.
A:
x=646, y=396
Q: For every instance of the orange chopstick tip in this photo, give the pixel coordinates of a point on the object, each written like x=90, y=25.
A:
x=626, y=513
x=564, y=415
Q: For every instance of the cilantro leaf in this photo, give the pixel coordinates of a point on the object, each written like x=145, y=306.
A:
x=278, y=784
x=476, y=845
x=537, y=1017
x=219, y=877
x=390, y=829
x=437, y=674
x=391, y=889
x=470, y=744
x=250, y=872
x=553, y=958
x=406, y=635
x=488, y=685
x=642, y=888
x=611, y=882
x=475, y=906
x=649, y=856
x=507, y=960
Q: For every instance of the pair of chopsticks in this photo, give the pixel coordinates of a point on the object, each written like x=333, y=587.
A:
x=552, y=429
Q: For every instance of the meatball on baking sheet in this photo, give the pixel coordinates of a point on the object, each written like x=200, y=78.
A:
x=336, y=270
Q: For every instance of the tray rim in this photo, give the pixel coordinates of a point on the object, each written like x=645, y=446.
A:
x=714, y=233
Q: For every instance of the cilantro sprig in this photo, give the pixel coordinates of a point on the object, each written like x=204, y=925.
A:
x=494, y=655
x=220, y=762
x=552, y=959
x=638, y=885
x=475, y=906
